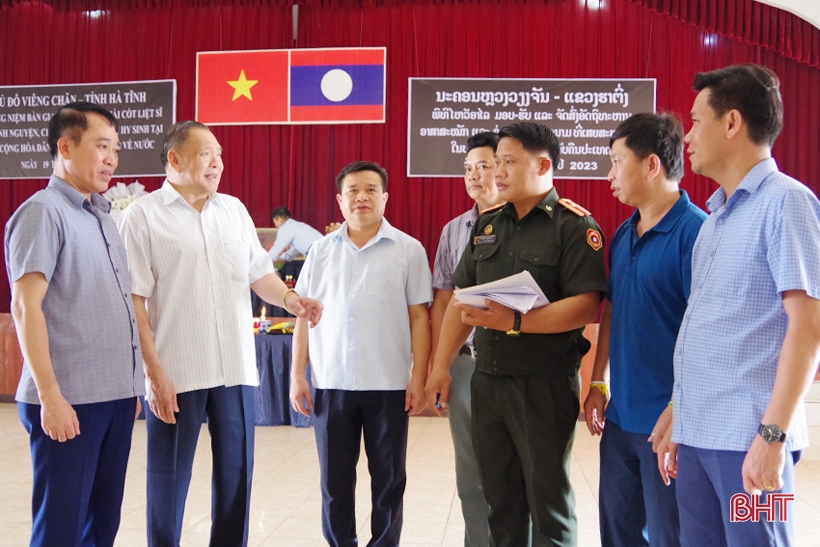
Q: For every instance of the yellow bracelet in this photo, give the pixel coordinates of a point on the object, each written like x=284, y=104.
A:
x=670, y=404
x=600, y=386
x=285, y=299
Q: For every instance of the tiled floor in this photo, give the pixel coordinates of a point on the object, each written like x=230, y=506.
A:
x=286, y=498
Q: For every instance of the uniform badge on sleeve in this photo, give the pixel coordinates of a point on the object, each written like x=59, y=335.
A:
x=594, y=239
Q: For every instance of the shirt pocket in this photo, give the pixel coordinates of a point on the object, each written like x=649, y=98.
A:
x=237, y=258
x=542, y=262
x=482, y=255
x=541, y=256
x=380, y=283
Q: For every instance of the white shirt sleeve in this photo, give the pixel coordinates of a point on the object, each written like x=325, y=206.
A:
x=137, y=241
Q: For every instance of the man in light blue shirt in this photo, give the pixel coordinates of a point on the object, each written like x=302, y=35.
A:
x=749, y=343
x=368, y=357
x=293, y=238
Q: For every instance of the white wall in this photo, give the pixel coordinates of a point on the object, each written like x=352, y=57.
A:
x=805, y=9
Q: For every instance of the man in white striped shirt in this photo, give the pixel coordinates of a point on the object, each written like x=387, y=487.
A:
x=194, y=255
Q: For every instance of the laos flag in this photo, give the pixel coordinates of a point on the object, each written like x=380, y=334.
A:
x=339, y=85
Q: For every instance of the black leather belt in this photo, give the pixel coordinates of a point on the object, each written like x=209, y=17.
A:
x=467, y=349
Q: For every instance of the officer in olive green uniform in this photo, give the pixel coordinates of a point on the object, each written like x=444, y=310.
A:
x=525, y=391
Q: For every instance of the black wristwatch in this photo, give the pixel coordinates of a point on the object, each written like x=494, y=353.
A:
x=772, y=434
x=516, y=328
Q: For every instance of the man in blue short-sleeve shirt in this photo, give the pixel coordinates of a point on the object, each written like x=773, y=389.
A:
x=749, y=342
x=71, y=302
x=650, y=259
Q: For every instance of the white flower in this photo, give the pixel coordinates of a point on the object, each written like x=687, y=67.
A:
x=121, y=196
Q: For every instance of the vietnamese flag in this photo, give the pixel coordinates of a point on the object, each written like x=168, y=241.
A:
x=291, y=86
x=242, y=87
x=339, y=85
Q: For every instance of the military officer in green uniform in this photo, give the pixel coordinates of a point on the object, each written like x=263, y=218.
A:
x=525, y=391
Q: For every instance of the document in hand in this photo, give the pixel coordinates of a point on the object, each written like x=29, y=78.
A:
x=519, y=292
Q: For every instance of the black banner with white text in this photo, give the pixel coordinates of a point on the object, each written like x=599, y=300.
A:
x=144, y=110
x=583, y=113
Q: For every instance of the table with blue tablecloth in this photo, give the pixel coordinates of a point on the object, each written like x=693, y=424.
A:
x=292, y=268
x=273, y=353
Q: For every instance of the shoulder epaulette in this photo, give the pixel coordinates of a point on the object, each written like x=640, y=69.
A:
x=574, y=207
x=491, y=209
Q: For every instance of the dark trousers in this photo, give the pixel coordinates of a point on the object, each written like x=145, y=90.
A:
x=78, y=484
x=340, y=418
x=636, y=508
x=523, y=428
x=231, y=414
x=707, y=480
x=468, y=482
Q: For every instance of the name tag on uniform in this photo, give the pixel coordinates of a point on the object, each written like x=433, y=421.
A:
x=483, y=240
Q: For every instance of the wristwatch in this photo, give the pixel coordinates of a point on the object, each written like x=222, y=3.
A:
x=516, y=328
x=772, y=434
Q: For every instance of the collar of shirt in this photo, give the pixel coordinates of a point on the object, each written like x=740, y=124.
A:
x=547, y=204
x=750, y=183
x=473, y=216
x=667, y=223
x=76, y=197
x=386, y=231
x=170, y=194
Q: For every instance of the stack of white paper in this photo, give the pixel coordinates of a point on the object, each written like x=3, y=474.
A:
x=519, y=292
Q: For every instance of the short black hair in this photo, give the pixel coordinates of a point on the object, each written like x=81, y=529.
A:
x=751, y=89
x=71, y=121
x=535, y=138
x=480, y=140
x=280, y=212
x=176, y=136
x=659, y=134
x=356, y=167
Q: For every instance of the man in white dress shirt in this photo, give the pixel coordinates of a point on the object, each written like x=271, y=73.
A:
x=292, y=237
x=368, y=359
x=194, y=255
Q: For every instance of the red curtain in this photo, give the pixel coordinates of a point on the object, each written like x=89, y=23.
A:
x=59, y=41
x=752, y=22
x=517, y=40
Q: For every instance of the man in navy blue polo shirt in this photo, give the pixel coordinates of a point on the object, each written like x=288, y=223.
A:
x=650, y=261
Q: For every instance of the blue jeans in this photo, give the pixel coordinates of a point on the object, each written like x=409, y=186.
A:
x=636, y=508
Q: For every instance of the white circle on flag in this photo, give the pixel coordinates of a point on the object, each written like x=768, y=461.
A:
x=337, y=85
